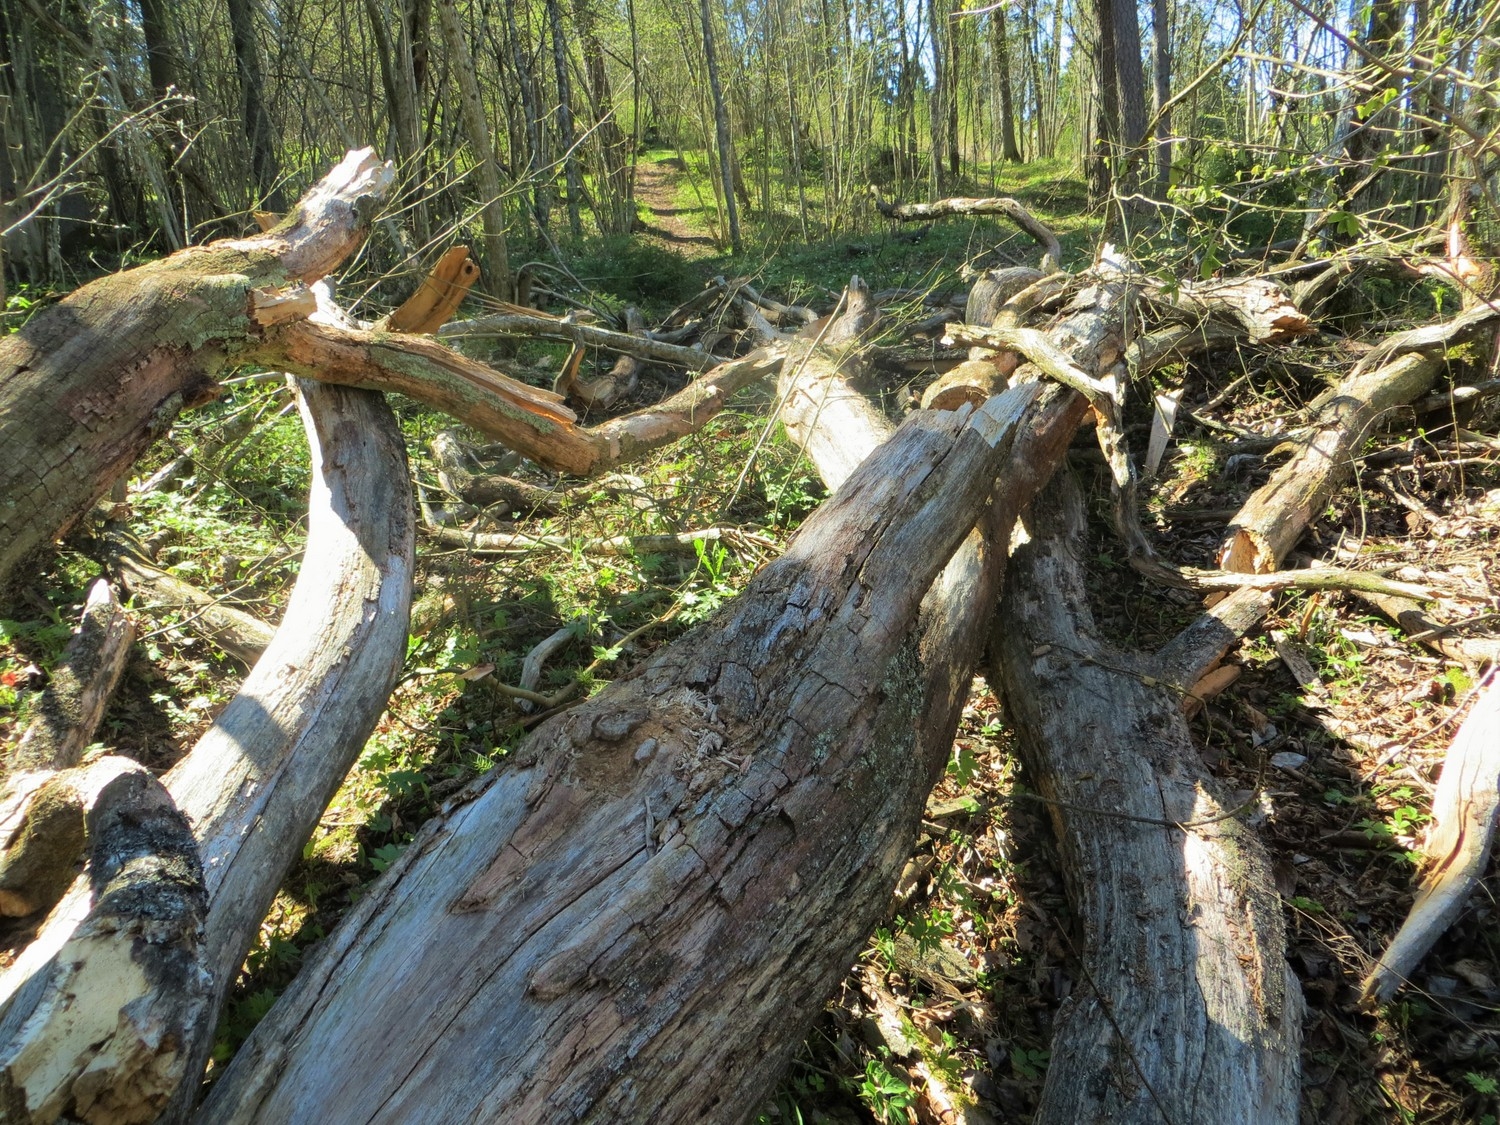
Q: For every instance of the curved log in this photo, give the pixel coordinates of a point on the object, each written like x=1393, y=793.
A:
x=255, y=784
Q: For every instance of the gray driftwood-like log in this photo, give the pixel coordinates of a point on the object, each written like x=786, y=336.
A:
x=255, y=784
x=1186, y=1010
x=97, y=1014
x=637, y=919
x=1456, y=853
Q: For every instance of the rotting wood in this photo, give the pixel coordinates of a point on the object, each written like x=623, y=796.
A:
x=79, y=687
x=1456, y=852
x=438, y=297
x=1190, y=1012
x=1475, y=651
x=98, y=1015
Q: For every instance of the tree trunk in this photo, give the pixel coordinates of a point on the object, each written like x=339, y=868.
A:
x=253, y=116
x=701, y=846
x=721, y=126
x=477, y=126
x=1187, y=1010
x=1000, y=38
x=565, y=117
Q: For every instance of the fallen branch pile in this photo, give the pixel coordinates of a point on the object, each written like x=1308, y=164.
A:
x=639, y=915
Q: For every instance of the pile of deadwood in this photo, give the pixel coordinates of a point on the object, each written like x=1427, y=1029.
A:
x=638, y=916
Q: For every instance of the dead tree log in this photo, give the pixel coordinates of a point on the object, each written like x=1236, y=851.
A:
x=1188, y=1010
x=1457, y=849
x=73, y=701
x=703, y=845
x=89, y=383
x=235, y=632
x=998, y=205
x=1399, y=371
x=255, y=784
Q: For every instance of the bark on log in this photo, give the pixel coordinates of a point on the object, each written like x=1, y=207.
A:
x=255, y=784
x=1457, y=849
x=75, y=696
x=723, y=824
x=99, y=1013
x=1188, y=1010
x=529, y=420
x=89, y=383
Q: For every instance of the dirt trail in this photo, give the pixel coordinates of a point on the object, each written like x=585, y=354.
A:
x=656, y=187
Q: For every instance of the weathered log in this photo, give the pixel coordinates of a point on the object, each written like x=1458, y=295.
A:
x=235, y=632
x=998, y=205
x=99, y=1013
x=1259, y=307
x=1400, y=370
x=90, y=382
x=1477, y=651
x=255, y=784
x=1188, y=1010
x=634, y=878
x=79, y=687
x=1456, y=852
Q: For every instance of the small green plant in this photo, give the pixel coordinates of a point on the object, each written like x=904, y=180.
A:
x=712, y=587
x=1483, y=1083
x=887, y=1095
x=1029, y=1063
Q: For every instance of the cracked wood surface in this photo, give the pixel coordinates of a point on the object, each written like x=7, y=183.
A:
x=637, y=918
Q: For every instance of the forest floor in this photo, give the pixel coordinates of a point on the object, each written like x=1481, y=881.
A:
x=977, y=952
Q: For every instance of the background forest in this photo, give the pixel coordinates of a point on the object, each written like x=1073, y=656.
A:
x=613, y=161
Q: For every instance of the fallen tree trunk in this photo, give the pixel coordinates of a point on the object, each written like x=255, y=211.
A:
x=1188, y=1010
x=252, y=788
x=634, y=878
x=997, y=205
x=90, y=382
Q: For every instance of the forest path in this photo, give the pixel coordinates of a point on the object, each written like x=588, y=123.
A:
x=656, y=186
